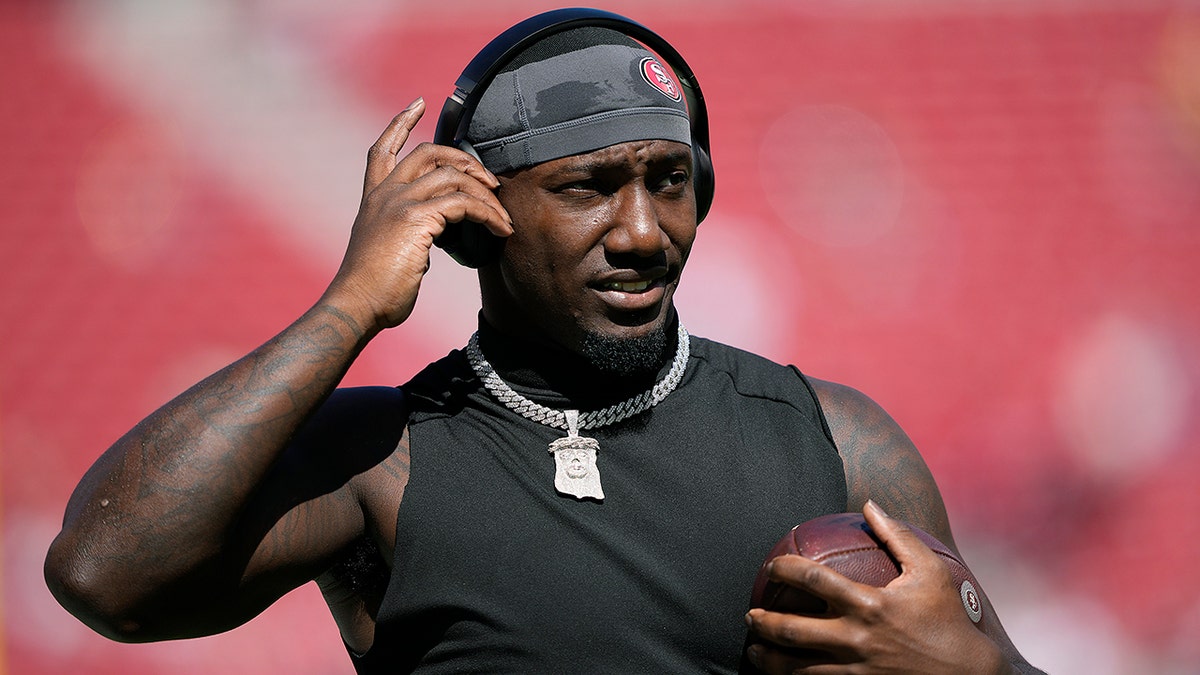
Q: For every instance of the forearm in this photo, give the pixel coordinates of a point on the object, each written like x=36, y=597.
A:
x=160, y=506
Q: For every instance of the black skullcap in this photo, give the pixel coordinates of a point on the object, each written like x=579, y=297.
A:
x=573, y=92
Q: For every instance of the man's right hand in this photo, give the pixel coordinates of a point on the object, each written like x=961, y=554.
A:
x=406, y=204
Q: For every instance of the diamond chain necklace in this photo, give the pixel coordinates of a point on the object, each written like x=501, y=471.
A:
x=576, y=473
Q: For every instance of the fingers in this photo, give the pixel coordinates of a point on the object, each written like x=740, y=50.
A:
x=430, y=157
x=382, y=157
x=772, y=660
x=430, y=172
x=451, y=178
x=905, y=546
x=810, y=635
x=891, y=532
x=818, y=580
x=454, y=195
x=822, y=632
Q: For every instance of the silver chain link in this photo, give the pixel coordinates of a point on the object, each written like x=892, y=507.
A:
x=589, y=420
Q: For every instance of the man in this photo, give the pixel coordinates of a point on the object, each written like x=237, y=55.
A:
x=584, y=487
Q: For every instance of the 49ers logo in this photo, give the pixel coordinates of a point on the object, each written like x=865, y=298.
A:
x=660, y=78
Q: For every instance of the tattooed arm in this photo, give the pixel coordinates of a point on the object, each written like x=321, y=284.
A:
x=259, y=477
x=204, y=514
x=881, y=463
x=917, y=623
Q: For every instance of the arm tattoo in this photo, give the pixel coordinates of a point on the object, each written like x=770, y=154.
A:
x=176, y=482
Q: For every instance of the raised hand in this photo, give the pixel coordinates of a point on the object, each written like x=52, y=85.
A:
x=406, y=204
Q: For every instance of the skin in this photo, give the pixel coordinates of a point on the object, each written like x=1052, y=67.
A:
x=916, y=624
x=266, y=476
x=632, y=219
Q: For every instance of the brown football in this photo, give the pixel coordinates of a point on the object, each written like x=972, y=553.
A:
x=845, y=542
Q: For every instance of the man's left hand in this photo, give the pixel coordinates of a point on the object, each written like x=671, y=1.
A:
x=914, y=624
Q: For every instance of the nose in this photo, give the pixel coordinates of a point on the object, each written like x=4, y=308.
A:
x=635, y=227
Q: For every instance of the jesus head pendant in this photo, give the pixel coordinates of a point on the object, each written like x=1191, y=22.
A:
x=575, y=470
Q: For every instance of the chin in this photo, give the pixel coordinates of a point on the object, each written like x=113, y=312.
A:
x=636, y=323
x=628, y=350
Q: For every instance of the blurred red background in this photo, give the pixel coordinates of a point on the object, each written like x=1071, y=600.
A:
x=984, y=214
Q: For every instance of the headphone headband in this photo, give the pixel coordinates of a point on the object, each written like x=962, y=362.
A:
x=460, y=105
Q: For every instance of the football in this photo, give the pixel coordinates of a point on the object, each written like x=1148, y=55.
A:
x=845, y=542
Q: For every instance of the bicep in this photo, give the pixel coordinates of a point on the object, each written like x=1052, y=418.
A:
x=881, y=462
x=312, y=509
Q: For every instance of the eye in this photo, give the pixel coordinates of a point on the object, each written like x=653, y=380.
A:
x=585, y=187
x=672, y=179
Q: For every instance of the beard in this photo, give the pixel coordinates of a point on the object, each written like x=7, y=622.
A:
x=626, y=357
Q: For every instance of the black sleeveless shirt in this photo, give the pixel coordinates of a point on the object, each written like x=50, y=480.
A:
x=496, y=572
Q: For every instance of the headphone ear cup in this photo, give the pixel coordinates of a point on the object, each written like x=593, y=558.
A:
x=469, y=243
x=703, y=180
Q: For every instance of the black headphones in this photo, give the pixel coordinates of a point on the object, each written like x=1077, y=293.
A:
x=470, y=243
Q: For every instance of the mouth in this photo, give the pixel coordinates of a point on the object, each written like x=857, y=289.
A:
x=628, y=286
x=634, y=292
